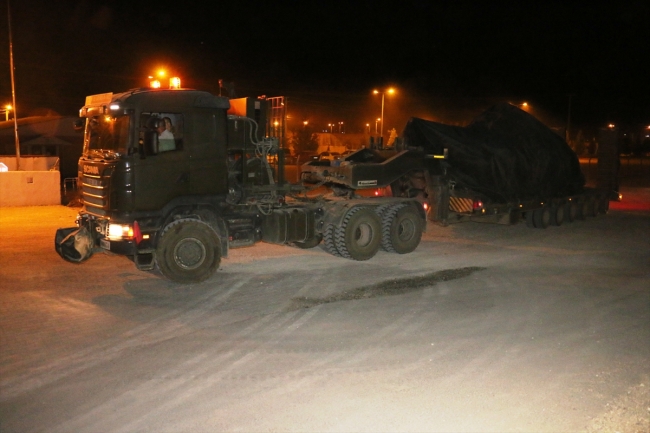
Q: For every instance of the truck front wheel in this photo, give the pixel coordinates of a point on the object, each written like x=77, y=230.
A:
x=359, y=236
x=189, y=251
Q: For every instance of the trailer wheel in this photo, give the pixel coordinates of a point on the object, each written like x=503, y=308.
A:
x=329, y=242
x=530, y=222
x=189, y=251
x=592, y=207
x=571, y=211
x=542, y=217
x=359, y=236
x=583, y=210
x=557, y=215
x=401, y=229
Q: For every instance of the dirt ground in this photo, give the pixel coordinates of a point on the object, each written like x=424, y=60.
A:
x=484, y=328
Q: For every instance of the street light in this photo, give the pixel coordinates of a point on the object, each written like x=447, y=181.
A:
x=390, y=91
x=331, y=125
x=340, y=125
x=8, y=108
x=368, y=126
x=376, y=121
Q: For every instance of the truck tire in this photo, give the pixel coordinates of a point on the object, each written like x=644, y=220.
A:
x=557, y=215
x=329, y=242
x=189, y=251
x=542, y=217
x=359, y=236
x=592, y=207
x=583, y=210
x=530, y=221
x=401, y=229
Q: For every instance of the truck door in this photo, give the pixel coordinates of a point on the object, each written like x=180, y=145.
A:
x=165, y=173
x=208, y=153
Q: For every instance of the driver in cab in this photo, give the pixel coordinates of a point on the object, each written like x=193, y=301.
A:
x=165, y=136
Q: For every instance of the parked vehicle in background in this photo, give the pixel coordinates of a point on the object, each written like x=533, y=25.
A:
x=329, y=156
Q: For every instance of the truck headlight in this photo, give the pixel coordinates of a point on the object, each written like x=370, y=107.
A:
x=120, y=231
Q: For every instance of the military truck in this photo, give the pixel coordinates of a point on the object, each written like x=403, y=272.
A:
x=175, y=178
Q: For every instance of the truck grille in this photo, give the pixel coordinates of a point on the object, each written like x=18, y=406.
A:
x=94, y=191
x=461, y=205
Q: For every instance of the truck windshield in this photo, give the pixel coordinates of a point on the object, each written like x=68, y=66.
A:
x=107, y=136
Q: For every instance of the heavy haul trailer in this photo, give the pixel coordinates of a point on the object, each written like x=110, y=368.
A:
x=502, y=168
x=174, y=178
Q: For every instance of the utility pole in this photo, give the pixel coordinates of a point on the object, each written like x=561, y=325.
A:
x=13, y=88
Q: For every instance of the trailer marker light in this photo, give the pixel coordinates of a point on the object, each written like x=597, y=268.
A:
x=478, y=204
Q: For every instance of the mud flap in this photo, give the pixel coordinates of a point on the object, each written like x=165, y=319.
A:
x=74, y=244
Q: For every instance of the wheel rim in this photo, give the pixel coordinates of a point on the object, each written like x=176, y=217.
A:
x=363, y=235
x=189, y=253
x=406, y=230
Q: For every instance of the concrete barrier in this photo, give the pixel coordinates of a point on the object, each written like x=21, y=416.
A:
x=30, y=188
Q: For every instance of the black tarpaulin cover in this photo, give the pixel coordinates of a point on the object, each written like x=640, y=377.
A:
x=505, y=154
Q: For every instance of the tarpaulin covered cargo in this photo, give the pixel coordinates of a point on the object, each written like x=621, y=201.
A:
x=505, y=154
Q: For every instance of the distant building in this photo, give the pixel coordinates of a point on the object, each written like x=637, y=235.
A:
x=45, y=136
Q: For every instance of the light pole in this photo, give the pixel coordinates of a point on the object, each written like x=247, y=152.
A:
x=368, y=126
x=7, y=110
x=340, y=125
x=390, y=91
x=331, y=125
x=377, y=121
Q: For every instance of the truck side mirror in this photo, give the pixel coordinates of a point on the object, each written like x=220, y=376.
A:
x=150, y=142
x=79, y=124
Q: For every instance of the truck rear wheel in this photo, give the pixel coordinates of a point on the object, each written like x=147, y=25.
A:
x=189, y=251
x=329, y=242
x=359, y=236
x=401, y=229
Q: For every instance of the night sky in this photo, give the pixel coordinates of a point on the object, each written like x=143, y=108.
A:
x=449, y=60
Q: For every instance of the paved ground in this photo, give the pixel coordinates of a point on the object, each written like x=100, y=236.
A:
x=482, y=328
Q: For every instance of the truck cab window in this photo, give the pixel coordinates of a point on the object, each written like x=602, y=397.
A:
x=165, y=130
x=107, y=134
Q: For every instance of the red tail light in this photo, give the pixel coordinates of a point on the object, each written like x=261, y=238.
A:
x=137, y=234
x=477, y=205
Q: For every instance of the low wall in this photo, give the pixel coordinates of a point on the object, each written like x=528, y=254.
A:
x=30, y=163
x=29, y=188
